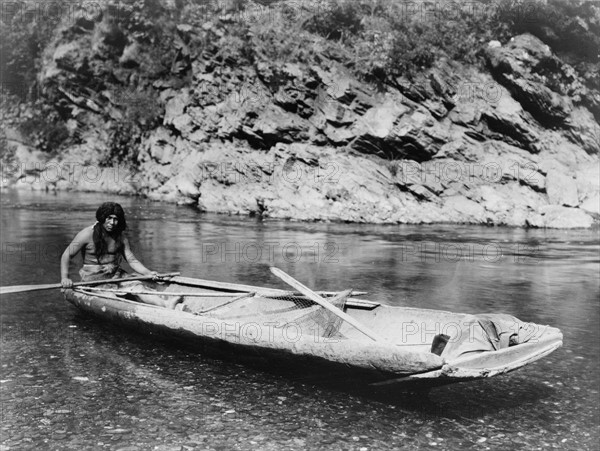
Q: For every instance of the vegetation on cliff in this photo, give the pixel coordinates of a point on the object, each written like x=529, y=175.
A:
x=146, y=42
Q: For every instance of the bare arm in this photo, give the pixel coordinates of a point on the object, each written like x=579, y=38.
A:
x=135, y=264
x=80, y=240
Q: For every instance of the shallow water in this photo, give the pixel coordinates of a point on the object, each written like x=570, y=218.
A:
x=70, y=382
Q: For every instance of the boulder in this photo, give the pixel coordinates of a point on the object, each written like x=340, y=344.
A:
x=373, y=131
x=557, y=147
x=159, y=148
x=416, y=136
x=511, y=128
x=499, y=163
x=585, y=131
x=176, y=106
x=492, y=200
x=461, y=209
x=108, y=40
x=588, y=180
x=557, y=217
x=184, y=124
x=591, y=205
x=131, y=56
x=588, y=188
x=379, y=121
x=561, y=189
x=275, y=125
x=68, y=56
x=544, y=104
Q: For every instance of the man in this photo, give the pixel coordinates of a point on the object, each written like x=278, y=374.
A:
x=103, y=247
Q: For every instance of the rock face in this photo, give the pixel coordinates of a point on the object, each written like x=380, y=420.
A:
x=561, y=189
x=313, y=142
x=547, y=88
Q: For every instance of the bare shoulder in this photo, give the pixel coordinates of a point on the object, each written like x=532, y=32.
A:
x=86, y=235
x=82, y=239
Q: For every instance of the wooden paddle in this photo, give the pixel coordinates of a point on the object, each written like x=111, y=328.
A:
x=23, y=288
x=231, y=301
x=166, y=293
x=261, y=291
x=323, y=303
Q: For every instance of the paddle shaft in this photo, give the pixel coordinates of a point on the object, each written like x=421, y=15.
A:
x=323, y=303
x=231, y=301
x=168, y=293
x=261, y=291
x=24, y=288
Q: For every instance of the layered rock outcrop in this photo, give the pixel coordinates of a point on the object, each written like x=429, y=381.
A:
x=516, y=145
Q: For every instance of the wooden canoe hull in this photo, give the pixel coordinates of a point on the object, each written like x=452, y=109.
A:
x=255, y=341
x=254, y=330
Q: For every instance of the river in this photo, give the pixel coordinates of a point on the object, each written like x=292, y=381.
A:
x=70, y=382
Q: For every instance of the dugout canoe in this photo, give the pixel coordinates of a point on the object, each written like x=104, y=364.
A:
x=285, y=328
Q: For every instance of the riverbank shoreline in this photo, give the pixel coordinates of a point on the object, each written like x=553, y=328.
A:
x=122, y=182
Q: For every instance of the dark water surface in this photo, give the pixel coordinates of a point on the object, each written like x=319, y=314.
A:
x=69, y=382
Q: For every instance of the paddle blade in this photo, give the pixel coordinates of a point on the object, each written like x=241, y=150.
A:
x=24, y=288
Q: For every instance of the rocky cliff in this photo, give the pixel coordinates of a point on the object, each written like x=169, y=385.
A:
x=235, y=114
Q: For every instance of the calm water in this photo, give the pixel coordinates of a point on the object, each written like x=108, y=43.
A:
x=68, y=382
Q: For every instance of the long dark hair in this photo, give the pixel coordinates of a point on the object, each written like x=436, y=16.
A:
x=99, y=235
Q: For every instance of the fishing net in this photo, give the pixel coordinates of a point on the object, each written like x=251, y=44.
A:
x=268, y=308
x=313, y=318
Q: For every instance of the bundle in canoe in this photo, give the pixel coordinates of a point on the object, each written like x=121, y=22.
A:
x=375, y=343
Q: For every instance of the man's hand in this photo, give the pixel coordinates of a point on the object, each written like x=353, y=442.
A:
x=66, y=282
x=154, y=275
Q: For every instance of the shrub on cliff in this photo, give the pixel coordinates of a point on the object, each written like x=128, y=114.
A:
x=143, y=112
x=137, y=46
x=44, y=130
x=125, y=139
x=7, y=151
x=415, y=34
x=22, y=39
x=338, y=20
x=144, y=109
x=390, y=39
x=570, y=27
